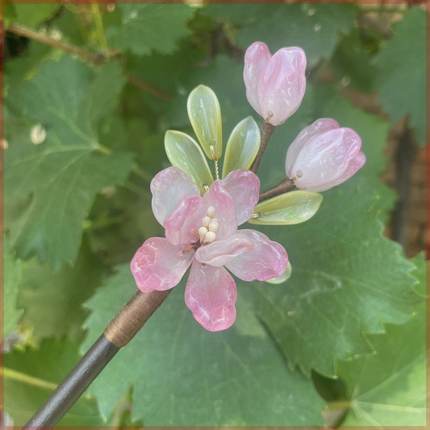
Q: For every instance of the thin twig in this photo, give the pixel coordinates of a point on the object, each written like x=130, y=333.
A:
x=266, y=133
x=88, y=56
x=91, y=57
x=286, y=185
x=143, y=174
x=26, y=379
x=144, y=86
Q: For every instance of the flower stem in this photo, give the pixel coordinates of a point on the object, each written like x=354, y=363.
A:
x=286, y=185
x=266, y=133
x=216, y=169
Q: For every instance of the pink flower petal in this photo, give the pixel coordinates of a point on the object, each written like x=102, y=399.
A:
x=225, y=211
x=159, y=265
x=355, y=164
x=282, y=87
x=169, y=187
x=325, y=158
x=267, y=259
x=244, y=188
x=183, y=224
x=221, y=252
x=210, y=294
x=257, y=57
x=316, y=128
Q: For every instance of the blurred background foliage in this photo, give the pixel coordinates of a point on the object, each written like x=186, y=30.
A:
x=89, y=91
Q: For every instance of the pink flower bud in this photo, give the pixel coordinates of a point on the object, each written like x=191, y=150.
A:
x=324, y=155
x=275, y=85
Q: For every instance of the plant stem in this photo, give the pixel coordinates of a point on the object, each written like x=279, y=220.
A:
x=144, y=86
x=95, y=58
x=91, y=57
x=26, y=379
x=286, y=185
x=143, y=174
x=266, y=133
x=98, y=22
x=133, y=188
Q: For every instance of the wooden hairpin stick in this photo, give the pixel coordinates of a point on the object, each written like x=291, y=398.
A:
x=117, y=334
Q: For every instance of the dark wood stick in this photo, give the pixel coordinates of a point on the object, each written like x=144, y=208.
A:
x=66, y=394
x=286, y=185
x=266, y=133
x=117, y=334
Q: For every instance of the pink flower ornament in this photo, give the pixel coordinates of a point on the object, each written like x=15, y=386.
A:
x=201, y=215
x=202, y=233
x=275, y=84
x=324, y=155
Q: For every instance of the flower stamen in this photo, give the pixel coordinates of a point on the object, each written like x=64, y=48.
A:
x=210, y=225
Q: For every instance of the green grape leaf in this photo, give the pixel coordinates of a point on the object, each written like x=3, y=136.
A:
x=401, y=71
x=31, y=15
x=70, y=25
x=388, y=388
x=56, y=180
x=352, y=62
x=289, y=208
x=12, y=269
x=31, y=375
x=185, y=376
x=19, y=68
x=150, y=27
x=347, y=278
x=48, y=296
x=242, y=146
x=314, y=27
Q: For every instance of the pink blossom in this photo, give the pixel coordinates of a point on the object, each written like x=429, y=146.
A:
x=275, y=84
x=324, y=155
x=201, y=232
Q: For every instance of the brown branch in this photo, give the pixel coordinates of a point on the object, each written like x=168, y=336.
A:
x=144, y=86
x=88, y=56
x=283, y=187
x=91, y=57
x=266, y=133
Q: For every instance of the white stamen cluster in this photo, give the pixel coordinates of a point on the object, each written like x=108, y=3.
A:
x=207, y=232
